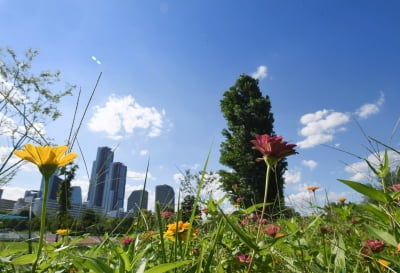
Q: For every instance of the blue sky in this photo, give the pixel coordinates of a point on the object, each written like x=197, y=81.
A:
x=326, y=65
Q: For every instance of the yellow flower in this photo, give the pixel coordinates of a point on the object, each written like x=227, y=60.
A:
x=47, y=158
x=63, y=231
x=384, y=264
x=182, y=230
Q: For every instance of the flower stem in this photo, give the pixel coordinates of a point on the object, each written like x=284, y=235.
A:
x=260, y=223
x=42, y=222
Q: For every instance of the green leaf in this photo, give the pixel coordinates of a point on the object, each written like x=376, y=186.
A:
x=383, y=235
x=368, y=191
x=242, y=235
x=166, y=267
x=383, y=217
x=25, y=259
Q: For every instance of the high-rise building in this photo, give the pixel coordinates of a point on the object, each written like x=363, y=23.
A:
x=54, y=182
x=165, y=195
x=100, y=172
x=76, y=195
x=134, y=201
x=115, y=187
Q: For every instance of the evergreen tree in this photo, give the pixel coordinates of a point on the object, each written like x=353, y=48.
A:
x=248, y=113
x=64, y=196
x=187, y=206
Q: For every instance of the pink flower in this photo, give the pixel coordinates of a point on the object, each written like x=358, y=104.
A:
x=244, y=258
x=126, y=241
x=374, y=245
x=272, y=230
x=166, y=214
x=239, y=199
x=272, y=147
x=395, y=187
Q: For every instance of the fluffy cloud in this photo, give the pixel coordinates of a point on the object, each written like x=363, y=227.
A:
x=144, y=152
x=261, y=73
x=292, y=177
x=13, y=193
x=321, y=126
x=370, y=108
x=360, y=170
x=122, y=115
x=309, y=163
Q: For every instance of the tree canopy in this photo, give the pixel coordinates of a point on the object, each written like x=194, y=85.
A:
x=248, y=113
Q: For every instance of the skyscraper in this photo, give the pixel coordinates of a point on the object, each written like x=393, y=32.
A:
x=134, y=200
x=54, y=183
x=100, y=172
x=76, y=195
x=166, y=196
x=115, y=187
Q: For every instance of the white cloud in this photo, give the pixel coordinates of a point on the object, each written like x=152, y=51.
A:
x=360, y=170
x=144, y=152
x=138, y=176
x=321, y=126
x=292, y=177
x=13, y=193
x=369, y=109
x=261, y=73
x=309, y=163
x=122, y=115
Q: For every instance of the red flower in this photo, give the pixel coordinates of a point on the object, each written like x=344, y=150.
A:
x=272, y=230
x=374, y=245
x=126, y=241
x=166, y=214
x=272, y=147
x=244, y=258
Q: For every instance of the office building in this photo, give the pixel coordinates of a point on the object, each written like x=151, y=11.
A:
x=100, y=172
x=115, y=187
x=76, y=195
x=165, y=195
x=135, y=201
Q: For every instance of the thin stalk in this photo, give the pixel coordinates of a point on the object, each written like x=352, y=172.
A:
x=262, y=216
x=42, y=222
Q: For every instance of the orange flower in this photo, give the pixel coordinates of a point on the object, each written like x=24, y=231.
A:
x=342, y=200
x=312, y=188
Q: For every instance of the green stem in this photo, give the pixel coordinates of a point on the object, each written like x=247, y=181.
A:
x=42, y=222
x=260, y=223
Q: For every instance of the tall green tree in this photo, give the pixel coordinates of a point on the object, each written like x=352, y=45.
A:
x=64, y=195
x=248, y=113
x=187, y=206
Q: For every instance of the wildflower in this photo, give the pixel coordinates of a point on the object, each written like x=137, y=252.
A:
x=244, y=258
x=46, y=158
x=205, y=211
x=63, y=232
x=398, y=248
x=239, y=199
x=236, y=205
x=373, y=245
x=383, y=264
x=262, y=221
x=354, y=220
x=272, y=230
x=279, y=235
x=235, y=187
x=126, y=241
x=342, y=200
x=395, y=187
x=182, y=230
x=273, y=148
x=312, y=188
x=166, y=214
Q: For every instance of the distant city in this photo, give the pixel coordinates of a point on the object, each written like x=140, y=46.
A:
x=106, y=192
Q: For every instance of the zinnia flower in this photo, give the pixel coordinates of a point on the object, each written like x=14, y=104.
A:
x=166, y=214
x=126, y=241
x=342, y=200
x=273, y=148
x=312, y=188
x=374, y=245
x=182, y=230
x=272, y=230
x=46, y=158
x=395, y=187
x=63, y=232
x=244, y=258
x=239, y=199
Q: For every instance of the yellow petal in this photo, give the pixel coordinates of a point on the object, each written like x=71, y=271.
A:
x=67, y=159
